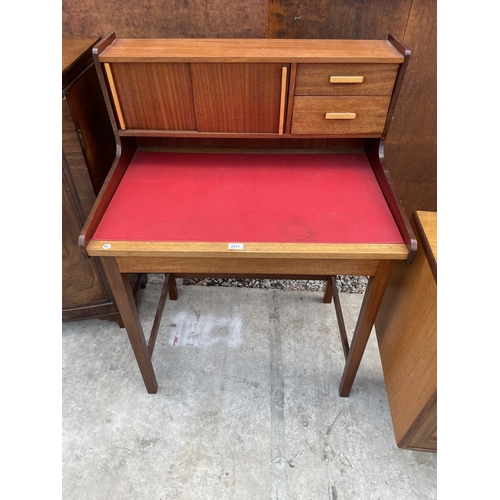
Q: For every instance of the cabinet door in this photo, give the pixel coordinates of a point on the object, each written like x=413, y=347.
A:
x=153, y=96
x=237, y=97
x=81, y=283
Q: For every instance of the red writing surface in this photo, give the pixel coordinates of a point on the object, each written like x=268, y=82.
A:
x=273, y=198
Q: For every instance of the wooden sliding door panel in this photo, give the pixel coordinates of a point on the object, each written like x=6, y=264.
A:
x=237, y=97
x=153, y=96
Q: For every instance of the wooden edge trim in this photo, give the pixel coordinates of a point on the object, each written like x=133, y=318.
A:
x=284, y=84
x=189, y=134
x=405, y=51
x=431, y=258
x=399, y=45
x=103, y=44
x=114, y=94
x=125, y=151
x=260, y=58
x=374, y=149
x=291, y=93
x=250, y=251
x=96, y=52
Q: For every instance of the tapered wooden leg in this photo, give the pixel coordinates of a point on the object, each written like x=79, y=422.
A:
x=330, y=282
x=172, y=287
x=124, y=297
x=369, y=309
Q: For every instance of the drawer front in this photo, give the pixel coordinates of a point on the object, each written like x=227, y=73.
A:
x=345, y=79
x=339, y=115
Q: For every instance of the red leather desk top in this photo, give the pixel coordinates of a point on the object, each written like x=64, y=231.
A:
x=274, y=198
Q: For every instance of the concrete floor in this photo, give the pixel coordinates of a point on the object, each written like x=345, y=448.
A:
x=247, y=406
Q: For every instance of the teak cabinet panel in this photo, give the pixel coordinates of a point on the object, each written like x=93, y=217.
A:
x=153, y=96
x=339, y=115
x=237, y=97
x=406, y=329
x=198, y=97
x=325, y=79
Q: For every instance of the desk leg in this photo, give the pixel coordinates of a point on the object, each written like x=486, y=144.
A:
x=124, y=297
x=366, y=319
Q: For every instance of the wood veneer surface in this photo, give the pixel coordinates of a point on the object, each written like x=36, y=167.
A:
x=75, y=47
x=250, y=50
x=406, y=330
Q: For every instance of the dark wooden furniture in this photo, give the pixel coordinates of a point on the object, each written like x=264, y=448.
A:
x=88, y=151
x=259, y=94
x=406, y=329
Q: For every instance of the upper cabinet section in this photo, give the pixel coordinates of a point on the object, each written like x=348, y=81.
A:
x=248, y=87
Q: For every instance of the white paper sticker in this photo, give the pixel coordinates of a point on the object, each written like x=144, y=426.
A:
x=235, y=246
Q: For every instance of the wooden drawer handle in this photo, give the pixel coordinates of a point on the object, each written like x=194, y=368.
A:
x=340, y=116
x=346, y=79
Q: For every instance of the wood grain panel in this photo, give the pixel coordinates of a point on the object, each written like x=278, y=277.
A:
x=165, y=18
x=237, y=97
x=309, y=115
x=280, y=251
x=360, y=19
x=238, y=50
x=314, y=79
x=252, y=144
x=74, y=167
x=81, y=280
x=246, y=266
x=411, y=147
x=406, y=329
x=155, y=96
x=76, y=57
x=97, y=141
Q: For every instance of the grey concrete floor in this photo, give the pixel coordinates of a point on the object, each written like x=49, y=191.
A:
x=247, y=406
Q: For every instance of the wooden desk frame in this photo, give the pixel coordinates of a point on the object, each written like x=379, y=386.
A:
x=269, y=260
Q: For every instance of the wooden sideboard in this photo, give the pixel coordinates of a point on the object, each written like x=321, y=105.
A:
x=88, y=151
x=219, y=172
x=406, y=329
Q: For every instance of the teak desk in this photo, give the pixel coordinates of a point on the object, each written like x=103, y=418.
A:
x=249, y=158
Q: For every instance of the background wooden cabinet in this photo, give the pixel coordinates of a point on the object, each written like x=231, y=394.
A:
x=406, y=329
x=88, y=150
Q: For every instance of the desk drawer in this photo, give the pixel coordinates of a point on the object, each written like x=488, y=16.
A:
x=339, y=115
x=345, y=79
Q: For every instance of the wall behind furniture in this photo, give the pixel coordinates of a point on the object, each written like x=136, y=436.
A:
x=411, y=154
